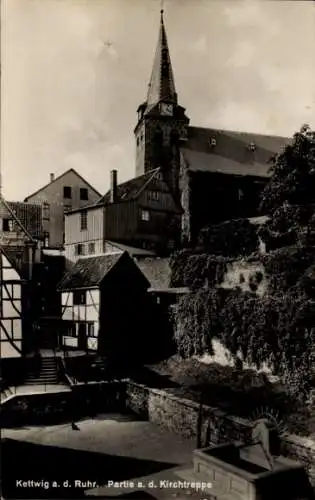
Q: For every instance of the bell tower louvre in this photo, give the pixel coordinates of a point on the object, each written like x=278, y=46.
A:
x=162, y=123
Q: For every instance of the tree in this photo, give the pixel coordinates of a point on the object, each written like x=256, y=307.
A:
x=289, y=197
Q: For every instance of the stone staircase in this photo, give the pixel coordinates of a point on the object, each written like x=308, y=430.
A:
x=48, y=374
x=7, y=393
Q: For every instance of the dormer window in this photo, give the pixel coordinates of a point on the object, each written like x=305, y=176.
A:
x=212, y=142
x=251, y=146
x=154, y=195
x=7, y=226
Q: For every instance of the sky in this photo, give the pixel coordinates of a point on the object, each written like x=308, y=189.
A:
x=73, y=73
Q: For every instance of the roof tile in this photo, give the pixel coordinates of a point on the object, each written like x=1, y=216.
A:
x=89, y=272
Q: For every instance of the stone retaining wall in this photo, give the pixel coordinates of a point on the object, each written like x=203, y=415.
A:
x=182, y=416
x=55, y=407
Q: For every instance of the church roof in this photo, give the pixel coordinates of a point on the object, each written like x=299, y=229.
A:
x=162, y=85
x=229, y=152
x=129, y=190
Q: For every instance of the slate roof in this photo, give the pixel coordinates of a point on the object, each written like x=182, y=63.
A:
x=157, y=271
x=9, y=208
x=231, y=153
x=131, y=250
x=89, y=272
x=162, y=85
x=129, y=190
x=29, y=215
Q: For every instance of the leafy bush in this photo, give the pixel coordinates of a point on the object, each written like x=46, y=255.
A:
x=230, y=239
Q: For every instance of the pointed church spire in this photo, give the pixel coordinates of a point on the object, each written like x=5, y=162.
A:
x=162, y=86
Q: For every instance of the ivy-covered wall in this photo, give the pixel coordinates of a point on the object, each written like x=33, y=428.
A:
x=260, y=306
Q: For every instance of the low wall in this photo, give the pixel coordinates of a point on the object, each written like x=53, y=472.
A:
x=51, y=408
x=216, y=426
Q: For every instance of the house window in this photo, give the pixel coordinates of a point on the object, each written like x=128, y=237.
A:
x=79, y=249
x=83, y=220
x=46, y=240
x=67, y=192
x=91, y=248
x=7, y=225
x=138, y=141
x=252, y=146
x=46, y=211
x=79, y=298
x=213, y=142
x=145, y=215
x=84, y=194
x=70, y=329
x=91, y=330
x=154, y=195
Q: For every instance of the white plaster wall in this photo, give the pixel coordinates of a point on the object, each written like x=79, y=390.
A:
x=223, y=357
x=244, y=269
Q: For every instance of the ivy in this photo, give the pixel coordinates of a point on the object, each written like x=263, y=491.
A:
x=278, y=328
x=270, y=329
x=196, y=319
x=233, y=238
x=197, y=270
x=288, y=269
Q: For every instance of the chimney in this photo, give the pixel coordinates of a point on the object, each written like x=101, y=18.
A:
x=52, y=177
x=113, y=186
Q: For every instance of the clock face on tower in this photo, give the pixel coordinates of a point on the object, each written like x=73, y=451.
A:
x=166, y=109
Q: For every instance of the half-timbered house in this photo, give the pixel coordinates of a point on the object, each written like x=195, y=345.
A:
x=11, y=322
x=106, y=307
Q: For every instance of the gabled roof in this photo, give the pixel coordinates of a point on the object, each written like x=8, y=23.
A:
x=91, y=271
x=157, y=271
x=16, y=218
x=230, y=152
x=30, y=217
x=60, y=177
x=131, y=189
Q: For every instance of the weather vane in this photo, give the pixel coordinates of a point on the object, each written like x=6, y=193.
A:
x=162, y=6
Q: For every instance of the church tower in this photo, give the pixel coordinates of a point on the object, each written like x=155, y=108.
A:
x=162, y=123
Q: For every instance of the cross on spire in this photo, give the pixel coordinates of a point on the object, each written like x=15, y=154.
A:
x=162, y=85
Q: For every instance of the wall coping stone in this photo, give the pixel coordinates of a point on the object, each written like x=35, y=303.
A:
x=294, y=439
